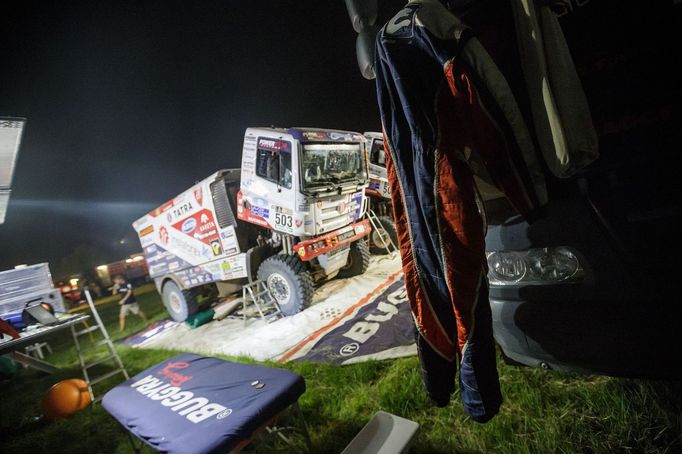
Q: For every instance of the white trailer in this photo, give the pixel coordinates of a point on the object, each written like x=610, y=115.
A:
x=27, y=285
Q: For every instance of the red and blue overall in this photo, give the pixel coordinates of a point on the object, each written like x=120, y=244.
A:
x=444, y=107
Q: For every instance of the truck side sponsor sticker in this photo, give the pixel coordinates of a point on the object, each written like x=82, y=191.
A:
x=146, y=231
x=244, y=212
x=274, y=144
x=189, y=225
x=216, y=247
x=201, y=226
x=199, y=195
x=162, y=209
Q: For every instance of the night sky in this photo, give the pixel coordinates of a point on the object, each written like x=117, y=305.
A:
x=130, y=104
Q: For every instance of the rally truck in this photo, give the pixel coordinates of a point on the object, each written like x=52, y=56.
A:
x=291, y=217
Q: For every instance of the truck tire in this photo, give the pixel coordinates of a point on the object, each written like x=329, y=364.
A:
x=288, y=282
x=388, y=226
x=180, y=304
x=358, y=260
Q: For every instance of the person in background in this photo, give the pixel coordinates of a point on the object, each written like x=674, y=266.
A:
x=128, y=302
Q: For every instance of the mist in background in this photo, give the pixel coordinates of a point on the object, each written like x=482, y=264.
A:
x=128, y=104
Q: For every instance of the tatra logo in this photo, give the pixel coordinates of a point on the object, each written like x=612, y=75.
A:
x=184, y=403
x=176, y=379
x=182, y=209
x=199, y=195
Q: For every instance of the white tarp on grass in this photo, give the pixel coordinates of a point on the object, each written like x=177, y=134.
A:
x=290, y=338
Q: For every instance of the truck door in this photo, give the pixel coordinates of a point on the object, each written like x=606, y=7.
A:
x=273, y=197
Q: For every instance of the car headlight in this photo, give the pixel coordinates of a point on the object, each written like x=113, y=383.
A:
x=550, y=265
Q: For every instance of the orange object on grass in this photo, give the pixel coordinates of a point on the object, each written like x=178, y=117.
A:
x=65, y=398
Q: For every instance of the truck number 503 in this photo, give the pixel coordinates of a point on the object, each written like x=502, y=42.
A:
x=284, y=220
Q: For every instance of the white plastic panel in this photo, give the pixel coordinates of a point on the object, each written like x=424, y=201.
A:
x=4, y=201
x=10, y=138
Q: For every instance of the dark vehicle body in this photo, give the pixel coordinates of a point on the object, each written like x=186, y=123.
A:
x=606, y=245
x=620, y=216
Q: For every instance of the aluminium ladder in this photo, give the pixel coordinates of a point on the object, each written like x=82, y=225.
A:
x=106, y=340
x=257, y=294
x=383, y=236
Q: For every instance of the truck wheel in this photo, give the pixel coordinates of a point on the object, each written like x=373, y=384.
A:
x=358, y=260
x=180, y=304
x=288, y=282
x=388, y=228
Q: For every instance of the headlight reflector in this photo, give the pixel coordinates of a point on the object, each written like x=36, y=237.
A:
x=506, y=267
x=550, y=265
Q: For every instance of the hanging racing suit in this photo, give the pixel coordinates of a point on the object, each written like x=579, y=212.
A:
x=446, y=109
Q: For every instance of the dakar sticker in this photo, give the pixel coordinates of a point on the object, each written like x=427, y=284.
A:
x=199, y=195
x=163, y=235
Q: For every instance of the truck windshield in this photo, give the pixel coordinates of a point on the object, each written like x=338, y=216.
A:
x=331, y=164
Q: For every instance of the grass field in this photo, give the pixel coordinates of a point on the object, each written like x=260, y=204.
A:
x=544, y=411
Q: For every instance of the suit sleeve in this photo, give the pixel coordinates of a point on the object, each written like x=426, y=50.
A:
x=498, y=134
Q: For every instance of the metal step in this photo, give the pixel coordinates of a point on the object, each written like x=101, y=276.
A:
x=100, y=361
x=273, y=317
x=87, y=330
x=105, y=376
x=95, y=345
x=256, y=293
x=383, y=235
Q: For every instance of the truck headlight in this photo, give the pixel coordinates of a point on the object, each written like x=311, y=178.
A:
x=550, y=265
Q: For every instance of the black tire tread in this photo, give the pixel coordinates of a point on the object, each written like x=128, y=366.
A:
x=188, y=295
x=190, y=301
x=303, y=281
x=360, y=250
